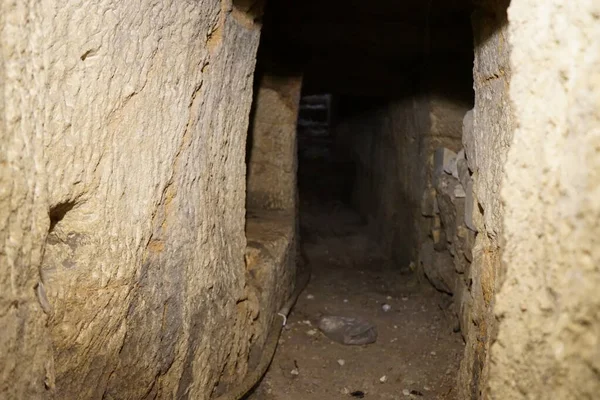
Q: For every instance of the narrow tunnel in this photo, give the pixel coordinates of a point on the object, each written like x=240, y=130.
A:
x=318, y=199
x=358, y=124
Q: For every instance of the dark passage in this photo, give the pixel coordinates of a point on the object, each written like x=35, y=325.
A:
x=326, y=173
x=384, y=86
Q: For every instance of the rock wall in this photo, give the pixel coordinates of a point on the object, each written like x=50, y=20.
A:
x=549, y=304
x=429, y=176
x=442, y=212
x=271, y=218
x=392, y=143
x=272, y=162
x=123, y=187
x=486, y=145
x=462, y=256
x=446, y=255
x=383, y=138
x=537, y=242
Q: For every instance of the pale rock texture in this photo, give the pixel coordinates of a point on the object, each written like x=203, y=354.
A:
x=272, y=223
x=548, y=345
x=122, y=198
x=272, y=159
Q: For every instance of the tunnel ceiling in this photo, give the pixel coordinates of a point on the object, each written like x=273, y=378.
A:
x=367, y=47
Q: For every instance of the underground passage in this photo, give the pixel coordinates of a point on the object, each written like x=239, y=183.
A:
x=320, y=200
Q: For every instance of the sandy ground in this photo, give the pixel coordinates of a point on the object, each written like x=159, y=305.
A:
x=416, y=354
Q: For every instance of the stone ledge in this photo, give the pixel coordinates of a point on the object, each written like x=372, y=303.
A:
x=270, y=259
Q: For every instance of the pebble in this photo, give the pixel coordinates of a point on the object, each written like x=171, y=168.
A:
x=386, y=307
x=406, y=392
x=312, y=332
x=383, y=379
x=395, y=326
x=345, y=300
x=426, y=388
x=310, y=296
x=341, y=362
x=433, y=353
x=389, y=297
x=405, y=299
x=295, y=371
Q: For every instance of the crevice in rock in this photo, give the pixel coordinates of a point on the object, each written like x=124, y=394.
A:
x=58, y=212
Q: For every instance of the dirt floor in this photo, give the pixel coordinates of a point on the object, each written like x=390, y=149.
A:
x=416, y=354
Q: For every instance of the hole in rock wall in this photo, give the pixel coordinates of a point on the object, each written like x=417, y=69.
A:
x=58, y=212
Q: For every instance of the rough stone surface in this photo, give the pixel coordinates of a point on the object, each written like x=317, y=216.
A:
x=388, y=189
x=451, y=207
x=272, y=161
x=428, y=206
x=449, y=98
x=447, y=108
x=472, y=212
x=271, y=264
x=438, y=268
x=438, y=235
x=122, y=208
x=487, y=134
x=469, y=140
x=462, y=172
x=549, y=304
x=271, y=225
x=442, y=161
x=447, y=269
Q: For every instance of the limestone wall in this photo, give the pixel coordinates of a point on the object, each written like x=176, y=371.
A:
x=442, y=230
x=272, y=162
x=383, y=139
x=529, y=283
x=271, y=217
x=392, y=142
x=462, y=254
x=486, y=145
x=122, y=209
x=549, y=304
